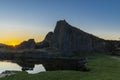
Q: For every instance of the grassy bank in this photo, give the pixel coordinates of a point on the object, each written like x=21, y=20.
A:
x=103, y=67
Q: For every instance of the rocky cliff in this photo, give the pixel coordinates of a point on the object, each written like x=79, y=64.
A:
x=69, y=40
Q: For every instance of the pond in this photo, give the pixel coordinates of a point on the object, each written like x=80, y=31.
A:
x=13, y=66
x=33, y=66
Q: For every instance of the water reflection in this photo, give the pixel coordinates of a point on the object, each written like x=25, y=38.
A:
x=12, y=66
x=37, y=69
x=36, y=65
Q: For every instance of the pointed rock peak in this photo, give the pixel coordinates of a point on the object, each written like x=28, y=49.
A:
x=31, y=40
x=61, y=25
x=62, y=22
x=49, y=36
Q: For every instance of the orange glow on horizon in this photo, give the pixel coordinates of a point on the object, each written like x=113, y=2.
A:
x=12, y=43
x=14, y=37
x=17, y=42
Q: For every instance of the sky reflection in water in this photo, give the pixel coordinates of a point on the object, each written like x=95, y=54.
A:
x=7, y=65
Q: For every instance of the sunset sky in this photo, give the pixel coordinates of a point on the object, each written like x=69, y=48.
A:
x=24, y=19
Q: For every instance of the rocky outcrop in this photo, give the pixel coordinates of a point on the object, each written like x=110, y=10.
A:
x=2, y=45
x=70, y=40
x=30, y=44
x=47, y=41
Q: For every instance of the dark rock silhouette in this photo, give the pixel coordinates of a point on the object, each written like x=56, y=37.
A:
x=30, y=44
x=47, y=41
x=70, y=40
x=114, y=47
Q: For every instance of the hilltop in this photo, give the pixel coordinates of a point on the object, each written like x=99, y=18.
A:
x=70, y=40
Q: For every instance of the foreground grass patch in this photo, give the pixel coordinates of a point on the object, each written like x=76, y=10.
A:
x=103, y=67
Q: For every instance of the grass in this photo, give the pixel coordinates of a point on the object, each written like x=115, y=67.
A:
x=103, y=67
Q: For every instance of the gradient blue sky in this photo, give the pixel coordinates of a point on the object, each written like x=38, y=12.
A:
x=24, y=19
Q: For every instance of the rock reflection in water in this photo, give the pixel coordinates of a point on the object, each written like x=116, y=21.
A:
x=31, y=66
x=51, y=64
x=45, y=64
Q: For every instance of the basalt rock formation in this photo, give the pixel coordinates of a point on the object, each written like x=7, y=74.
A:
x=70, y=40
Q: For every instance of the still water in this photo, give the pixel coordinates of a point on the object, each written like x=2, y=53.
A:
x=8, y=65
